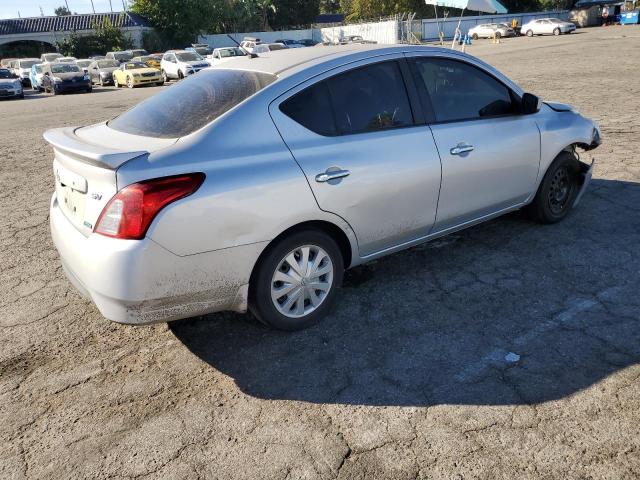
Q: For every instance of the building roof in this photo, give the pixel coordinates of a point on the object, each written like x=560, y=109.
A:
x=65, y=23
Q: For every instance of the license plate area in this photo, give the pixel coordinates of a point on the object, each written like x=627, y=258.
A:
x=71, y=190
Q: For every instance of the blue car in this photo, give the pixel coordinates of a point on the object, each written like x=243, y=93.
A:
x=36, y=77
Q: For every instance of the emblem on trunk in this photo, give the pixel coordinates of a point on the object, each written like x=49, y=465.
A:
x=96, y=196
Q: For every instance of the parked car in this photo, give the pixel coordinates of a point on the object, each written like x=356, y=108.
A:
x=276, y=46
x=491, y=30
x=36, y=76
x=71, y=60
x=290, y=43
x=354, y=39
x=6, y=62
x=177, y=64
x=149, y=60
x=10, y=86
x=133, y=74
x=121, y=57
x=547, y=26
x=101, y=71
x=308, y=42
x=22, y=69
x=50, y=57
x=137, y=52
x=98, y=57
x=353, y=154
x=248, y=44
x=84, y=64
x=200, y=48
x=63, y=78
x=225, y=54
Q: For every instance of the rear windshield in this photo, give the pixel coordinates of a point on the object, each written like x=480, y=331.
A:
x=191, y=104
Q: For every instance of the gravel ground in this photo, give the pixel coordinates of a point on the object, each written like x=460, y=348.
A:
x=410, y=377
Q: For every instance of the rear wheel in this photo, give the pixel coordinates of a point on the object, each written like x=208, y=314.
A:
x=474, y=36
x=297, y=280
x=529, y=33
x=164, y=76
x=558, y=190
x=116, y=83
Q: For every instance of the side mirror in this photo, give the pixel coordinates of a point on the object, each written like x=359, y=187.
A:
x=531, y=103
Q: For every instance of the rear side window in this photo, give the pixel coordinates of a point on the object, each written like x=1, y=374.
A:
x=459, y=91
x=191, y=104
x=362, y=100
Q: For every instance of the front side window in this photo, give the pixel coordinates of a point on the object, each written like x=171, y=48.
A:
x=364, y=99
x=459, y=91
x=196, y=101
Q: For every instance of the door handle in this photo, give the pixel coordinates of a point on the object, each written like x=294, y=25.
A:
x=331, y=175
x=461, y=148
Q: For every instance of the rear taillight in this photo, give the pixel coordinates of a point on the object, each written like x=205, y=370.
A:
x=130, y=212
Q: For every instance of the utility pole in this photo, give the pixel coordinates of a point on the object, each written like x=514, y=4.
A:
x=67, y=4
x=93, y=7
x=110, y=6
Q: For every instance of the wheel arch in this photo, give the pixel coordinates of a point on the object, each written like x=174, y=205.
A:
x=347, y=249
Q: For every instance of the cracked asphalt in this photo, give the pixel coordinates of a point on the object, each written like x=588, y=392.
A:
x=406, y=379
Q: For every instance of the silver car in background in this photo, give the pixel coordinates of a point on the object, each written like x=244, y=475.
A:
x=171, y=210
x=491, y=30
x=547, y=26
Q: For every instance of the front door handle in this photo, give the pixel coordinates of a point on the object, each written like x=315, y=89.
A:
x=461, y=148
x=331, y=175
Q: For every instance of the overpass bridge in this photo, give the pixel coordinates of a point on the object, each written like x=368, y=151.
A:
x=49, y=30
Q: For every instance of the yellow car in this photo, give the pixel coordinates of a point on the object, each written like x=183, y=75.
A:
x=149, y=60
x=133, y=74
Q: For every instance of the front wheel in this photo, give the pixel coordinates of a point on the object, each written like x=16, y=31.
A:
x=129, y=82
x=474, y=36
x=297, y=280
x=116, y=83
x=558, y=190
x=529, y=33
x=556, y=31
x=498, y=35
x=165, y=78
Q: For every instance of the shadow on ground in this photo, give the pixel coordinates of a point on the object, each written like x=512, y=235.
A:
x=433, y=324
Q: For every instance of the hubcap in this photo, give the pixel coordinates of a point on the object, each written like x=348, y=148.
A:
x=559, y=191
x=302, y=281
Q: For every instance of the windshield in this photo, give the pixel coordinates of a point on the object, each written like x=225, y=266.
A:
x=232, y=52
x=196, y=101
x=134, y=65
x=64, y=68
x=83, y=63
x=4, y=73
x=122, y=55
x=188, y=57
x=108, y=63
x=38, y=68
x=27, y=63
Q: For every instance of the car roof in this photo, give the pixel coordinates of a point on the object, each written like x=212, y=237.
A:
x=288, y=61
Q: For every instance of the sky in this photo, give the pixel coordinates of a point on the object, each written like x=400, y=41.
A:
x=31, y=8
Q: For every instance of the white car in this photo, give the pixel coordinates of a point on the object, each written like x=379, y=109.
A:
x=547, y=26
x=488, y=30
x=177, y=64
x=225, y=54
x=22, y=69
x=250, y=44
x=71, y=60
x=49, y=57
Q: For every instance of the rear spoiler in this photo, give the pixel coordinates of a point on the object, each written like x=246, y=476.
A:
x=66, y=141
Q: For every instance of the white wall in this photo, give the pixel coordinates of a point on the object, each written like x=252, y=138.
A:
x=430, y=27
x=223, y=40
x=381, y=32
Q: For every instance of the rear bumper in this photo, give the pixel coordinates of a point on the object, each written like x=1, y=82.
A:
x=140, y=282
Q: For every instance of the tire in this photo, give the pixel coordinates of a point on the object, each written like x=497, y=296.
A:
x=180, y=75
x=89, y=90
x=529, y=33
x=22, y=95
x=474, y=36
x=295, y=310
x=556, y=31
x=130, y=82
x=116, y=83
x=498, y=35
x=159, y=84
x=165, y=78
x=558, y=190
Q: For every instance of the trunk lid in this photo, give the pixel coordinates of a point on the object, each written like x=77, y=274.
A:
x=84, y=168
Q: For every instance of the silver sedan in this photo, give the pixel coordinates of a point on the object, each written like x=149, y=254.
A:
x=254, y=186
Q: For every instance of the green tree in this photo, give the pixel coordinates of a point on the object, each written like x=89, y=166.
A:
x=61, y=11
x=293, y=13
x=105, y=38
x=178, y=22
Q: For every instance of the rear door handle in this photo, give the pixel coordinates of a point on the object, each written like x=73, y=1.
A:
x=461, y=148
x=331, y=175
